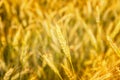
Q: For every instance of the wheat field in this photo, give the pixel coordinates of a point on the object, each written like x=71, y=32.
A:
x=59, y=39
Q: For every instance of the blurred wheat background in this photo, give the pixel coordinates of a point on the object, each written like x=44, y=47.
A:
x=59, y=39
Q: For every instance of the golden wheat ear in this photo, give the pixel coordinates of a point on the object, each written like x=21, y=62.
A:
x=63, y=44
x=8, y=74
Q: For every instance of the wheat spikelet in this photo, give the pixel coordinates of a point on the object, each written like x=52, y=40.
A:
x=22, y=73
x=8, y=74
x=69, y=73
